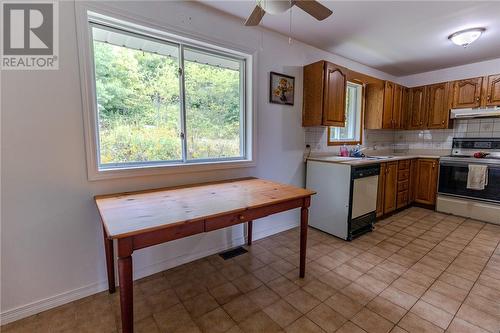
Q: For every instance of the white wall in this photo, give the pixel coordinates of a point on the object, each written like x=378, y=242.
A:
x=51, y=249
x=482, y=68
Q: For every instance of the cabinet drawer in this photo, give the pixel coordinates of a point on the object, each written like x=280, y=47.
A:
x=403, y=174
x=403, y=185
x=402, y=199
x=404, y=165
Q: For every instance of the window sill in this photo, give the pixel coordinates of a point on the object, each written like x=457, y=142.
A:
x=341, y=143
x=144, y=171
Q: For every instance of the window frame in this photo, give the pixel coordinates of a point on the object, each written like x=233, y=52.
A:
x=361, y=122
x=89, y=15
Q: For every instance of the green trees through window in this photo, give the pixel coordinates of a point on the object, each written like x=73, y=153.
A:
x=141, y=118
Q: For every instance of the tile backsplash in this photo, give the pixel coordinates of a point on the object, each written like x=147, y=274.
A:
x=400, y=141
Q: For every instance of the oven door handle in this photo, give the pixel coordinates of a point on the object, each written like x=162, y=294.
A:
x=466, y=165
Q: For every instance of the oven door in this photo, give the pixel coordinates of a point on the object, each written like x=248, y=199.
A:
x=453, y=181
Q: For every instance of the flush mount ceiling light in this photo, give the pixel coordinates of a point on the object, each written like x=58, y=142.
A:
x=466, y=37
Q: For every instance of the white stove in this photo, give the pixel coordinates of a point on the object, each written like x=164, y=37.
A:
x=453, y=195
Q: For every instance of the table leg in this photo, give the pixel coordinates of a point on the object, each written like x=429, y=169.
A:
x=126, y=286
x=304, y=212
x=249, y=233
x=110, y=264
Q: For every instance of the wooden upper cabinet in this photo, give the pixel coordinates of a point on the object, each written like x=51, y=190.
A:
x=467, y=93
x=417, y=107
x=493, y=90
x=397, y=108
x=387, y=120
x=383, y=105
x=426, y=182
x=438, y=106
x=334, y=96
x=324, y=98
x=405, y=96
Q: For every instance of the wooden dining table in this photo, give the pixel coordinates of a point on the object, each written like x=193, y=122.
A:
x=137, y=220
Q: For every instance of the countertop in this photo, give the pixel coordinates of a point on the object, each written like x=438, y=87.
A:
x=366, y=161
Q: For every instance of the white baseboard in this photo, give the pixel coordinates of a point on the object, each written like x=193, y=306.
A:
x=33, y=308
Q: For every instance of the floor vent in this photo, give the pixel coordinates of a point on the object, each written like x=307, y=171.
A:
x=233, y=253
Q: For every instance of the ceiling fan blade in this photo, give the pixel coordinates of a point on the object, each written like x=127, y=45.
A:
x=314, y=9
x=255, y=17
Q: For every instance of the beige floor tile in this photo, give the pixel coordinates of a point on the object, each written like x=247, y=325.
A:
x=174, y=319
x=461, y=326
x=372, y=322
x=441, y=301
x=303, y=325
x=259, y=322
x=479, y=318
x=350, y=327
x=319, y=289
x=386, y=309
x=487, y=292
x=282, y=313
x=382, y=275
x=266, y=274
x=456, y=281
x=302, y=301
x=326, y=318
x=348, y=272
x=372, y=284
x=147, y=325
x=282, y=286
x=358, y=293
x=201, y=304
x=215, y=321
x=399, y=297
x=344, y=305
x=232, y=272
x=409, y=287
x=433, y=314
x=263, y=296
x=225, y=293
x=414, y=324
x=162, y=300
x=334, y=280
x=240, y=308
x=449, y=291
x=247, y=283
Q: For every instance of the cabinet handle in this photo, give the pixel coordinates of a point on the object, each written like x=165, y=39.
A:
x=442, y=122
x=477, y=99
x=488, y=98
x=434, y=165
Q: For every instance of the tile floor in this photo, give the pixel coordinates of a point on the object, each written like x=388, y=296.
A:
x=419, y=271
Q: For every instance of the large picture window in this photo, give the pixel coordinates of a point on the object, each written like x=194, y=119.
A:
x=161, y=102
x=351, y=132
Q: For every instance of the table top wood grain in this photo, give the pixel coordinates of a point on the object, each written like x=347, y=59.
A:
x=131, y=213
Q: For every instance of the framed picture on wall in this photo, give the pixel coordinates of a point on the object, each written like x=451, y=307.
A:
x=281, y=89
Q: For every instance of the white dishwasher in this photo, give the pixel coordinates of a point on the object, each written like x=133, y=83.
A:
x=346, y=201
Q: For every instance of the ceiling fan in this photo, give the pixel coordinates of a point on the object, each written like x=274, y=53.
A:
x=312, y=7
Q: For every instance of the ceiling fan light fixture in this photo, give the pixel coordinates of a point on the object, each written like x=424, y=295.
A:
x=466, y=37
x=274, y=6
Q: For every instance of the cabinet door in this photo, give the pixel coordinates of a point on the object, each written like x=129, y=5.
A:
x=334, y=98
x=404, y=108
x=391, y=184
x=417, y=108
x=413, y=181
x=426, y=186
x=381, y=191
x=493, y=91
x=387, y=120
x=438, y=112
x=467, y=93
x=397, y=106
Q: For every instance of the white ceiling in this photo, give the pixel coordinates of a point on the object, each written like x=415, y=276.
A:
x=397, y=37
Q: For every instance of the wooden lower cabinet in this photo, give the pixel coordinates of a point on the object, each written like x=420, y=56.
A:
x=405, y=182
x=426, y=181
x=390, y=187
